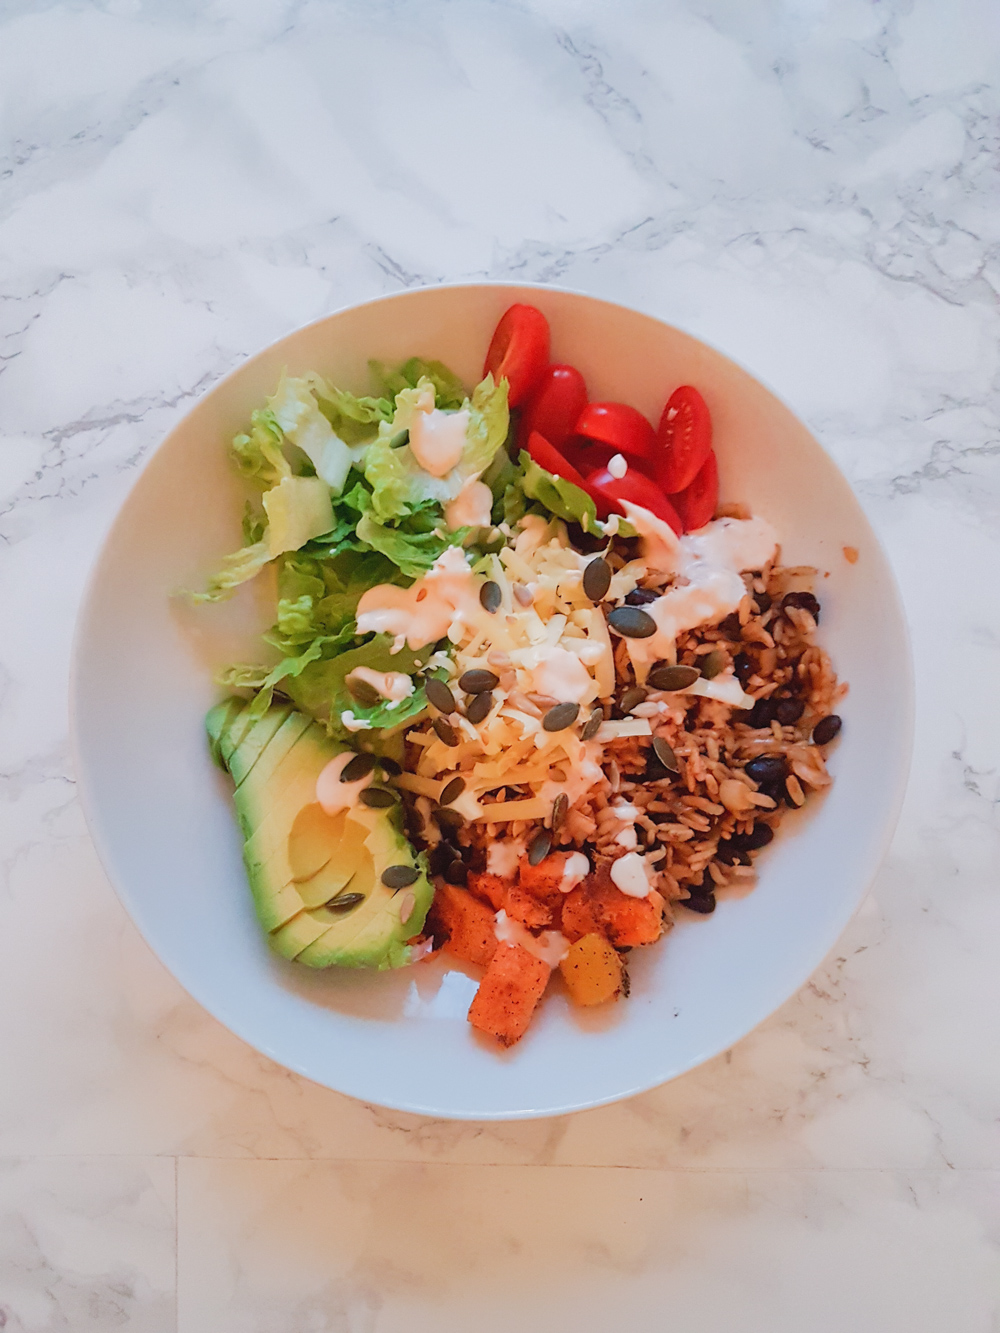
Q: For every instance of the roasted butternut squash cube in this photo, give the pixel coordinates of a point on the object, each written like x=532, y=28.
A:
x=593, y=971
x=514, y=983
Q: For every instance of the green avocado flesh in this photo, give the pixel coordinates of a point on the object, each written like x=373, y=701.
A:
x=298, y=857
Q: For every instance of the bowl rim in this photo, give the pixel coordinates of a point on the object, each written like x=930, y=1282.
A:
x=737, y=1030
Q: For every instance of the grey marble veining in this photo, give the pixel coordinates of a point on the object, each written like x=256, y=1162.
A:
x=811, y=186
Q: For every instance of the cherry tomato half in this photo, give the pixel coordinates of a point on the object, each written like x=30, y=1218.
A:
x=698, y=502
x=685, y=439
x=635, y=488
x=519, y=351
x=625, y=430
x=555, y=404
x=548, y=457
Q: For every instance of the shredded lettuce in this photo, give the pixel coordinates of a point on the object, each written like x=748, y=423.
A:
x=297, y=509
x=319, y=688
x=558, y=496
x=240, y=567
x=449, y=391
x=258, y=455
x=296, y=410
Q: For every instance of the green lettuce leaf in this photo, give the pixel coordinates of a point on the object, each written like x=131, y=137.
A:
x=413, y=545
x=258, y=455
x=449, y=391
x=558, y=496
x=240, y=567
x=319, y=688
x=295, y=408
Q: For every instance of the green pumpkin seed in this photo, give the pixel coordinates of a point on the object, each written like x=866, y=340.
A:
x=344, y=902
x=671, y=678
x=445, y=731
x=479, y=707
x=363, y=693
x=712, y=663
x=452, y=791
x=377, y=798
x=539, y=847
x=398, y=877
x=399, y=439
x=631, y=622
x=597, y=579
x=478, y=681
x=359, y=767
x=560, y=717
x=592, y=725
x=389, y=766
x=439, y=695
x=665, y=753
x=560, y=806
x=631, y=698
x=490, y=597
x=448, y=819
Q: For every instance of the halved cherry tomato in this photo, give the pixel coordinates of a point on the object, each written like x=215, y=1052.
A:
x=555, y=404
x=635, y=488
x=697, y=503
x=548, y=457
x=586, y=455
x=519, y=351
x=685, y=439
x=624, y=429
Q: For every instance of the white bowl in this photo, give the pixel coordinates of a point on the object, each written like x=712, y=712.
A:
x=162, y=818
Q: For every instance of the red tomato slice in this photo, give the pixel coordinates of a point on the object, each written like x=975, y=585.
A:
x=548, y=457
x=519, y=351
x=585, y=455
x=685, y=439
x=635, y=488
x=555, y=404
x=698, y=502
x=625, y=430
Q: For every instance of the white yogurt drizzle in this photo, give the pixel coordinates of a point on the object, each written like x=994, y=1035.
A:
x=334, y=795
x=471, y=507
x=437, y=438
x=629, y=874
x=550, y=946
x=395, y=686
x=446, y=596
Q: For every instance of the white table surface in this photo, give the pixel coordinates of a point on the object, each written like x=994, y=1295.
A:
x=809, y=186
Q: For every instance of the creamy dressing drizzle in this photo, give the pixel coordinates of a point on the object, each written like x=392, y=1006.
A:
x=392, y=685
x=550, y=946
x=629, y=874
x=446, y=596
x=437, y=439
x=470, y=508
x=334, y=795
x=576, y=868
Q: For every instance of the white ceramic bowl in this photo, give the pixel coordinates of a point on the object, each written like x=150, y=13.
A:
x=162, y=818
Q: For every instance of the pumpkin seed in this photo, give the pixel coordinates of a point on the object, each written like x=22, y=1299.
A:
x=539, y=847
x=476, y=682
x=479, y=707
x=631, y=622
x=398, y=877
x=597, y=579
x=448, y=819
x=344, y=902
x=490, y=597
x=389, y=766
x=560, y=717
x=363, y=693
x=439, y=695
x=631, y=698
x=357, y=768
x=445, y=731
x=559, y=808
x=522, y=595
x=593, y=725
x=452, y=791
x=712, y=663
x=399, y=439
x=377, y=798
x=672, y=678
x=665, y=753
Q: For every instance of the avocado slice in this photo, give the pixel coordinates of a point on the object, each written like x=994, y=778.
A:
x=299, y=859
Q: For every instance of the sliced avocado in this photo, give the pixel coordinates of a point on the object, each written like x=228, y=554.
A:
x=299, y=859
x=218, y=722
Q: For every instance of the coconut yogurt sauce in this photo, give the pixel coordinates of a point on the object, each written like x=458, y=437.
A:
x=708, y=564
x=445, y=598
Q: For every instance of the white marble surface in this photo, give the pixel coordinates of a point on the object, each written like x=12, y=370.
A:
x=809, y=185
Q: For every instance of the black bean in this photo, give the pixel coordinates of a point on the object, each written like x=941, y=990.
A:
x=452, y=791
x=804, y=600
x=344, y=902
x=359, y=767
x=479, y=707
x=363, y=693
x=777, y=793
x=703, y=905
x=744, y=666
x=665, y=754
x=631, y=622
x=559, y=808
x=439, y=695
x=593, y=725
x=655, y=772
x=475, y=859
x=763, y=600
x=768, y=768
x=762, y=713
x=560, y=717
x=728, y=851
x=478, y=681
x=490, y=597
x=731, y=626
x=641, y=597
x=445, y=731
x=760, y=836
x=539, y=847
x=672, y=678
x=398, y=877
x=439, y=858
x=712, y=663
x=632, y=698
x=389, y=766
x=826, y=728
x=377, y=798
x=788, y=711
x=457, y=872
x=597, y=579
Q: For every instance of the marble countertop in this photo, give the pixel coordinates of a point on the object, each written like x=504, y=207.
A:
x=809, y=185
